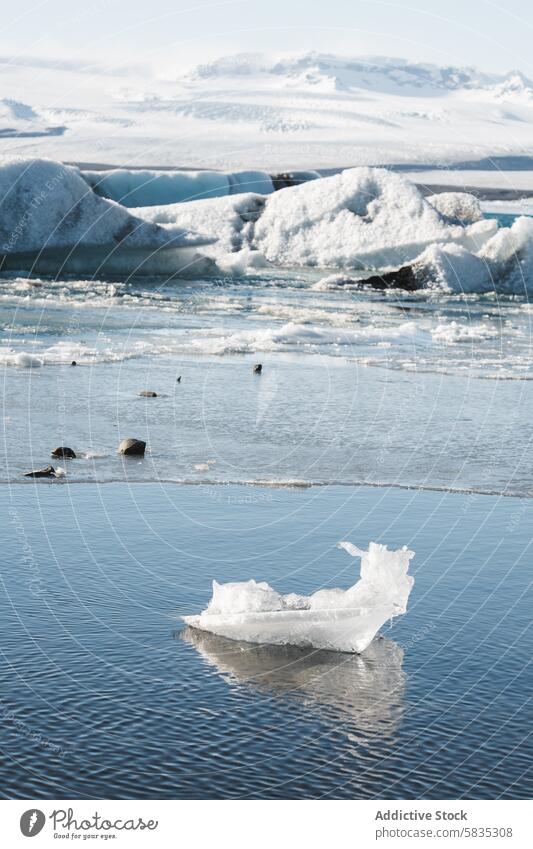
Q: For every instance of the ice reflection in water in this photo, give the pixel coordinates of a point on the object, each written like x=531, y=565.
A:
x=367, y=690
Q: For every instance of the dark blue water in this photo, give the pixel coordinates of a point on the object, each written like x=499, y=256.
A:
x=104, y=695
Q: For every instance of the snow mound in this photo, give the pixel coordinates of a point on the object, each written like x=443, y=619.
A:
x=363, y=217
x=49, y=217
x=157, y=188
x=335, y=619
x=457, y=207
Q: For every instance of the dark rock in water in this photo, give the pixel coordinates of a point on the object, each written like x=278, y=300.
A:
x=74, y=363
x=148, y=394
x=178, y=379
x=281, y=181
x=63, y=451
x=401, y=278
x=292, y=178
x=258, y=368
x=48, y=472
x=132, y=447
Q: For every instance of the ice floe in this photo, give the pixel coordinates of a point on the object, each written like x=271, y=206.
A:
x=228, y=221
x=334, y=619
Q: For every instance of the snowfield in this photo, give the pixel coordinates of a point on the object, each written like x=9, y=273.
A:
x=240, y=112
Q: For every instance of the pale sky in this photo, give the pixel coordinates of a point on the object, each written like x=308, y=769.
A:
x=175, y=34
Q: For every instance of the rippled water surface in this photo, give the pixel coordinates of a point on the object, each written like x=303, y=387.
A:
x=104, y=694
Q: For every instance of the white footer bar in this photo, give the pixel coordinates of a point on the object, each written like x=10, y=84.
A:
x=250, y=824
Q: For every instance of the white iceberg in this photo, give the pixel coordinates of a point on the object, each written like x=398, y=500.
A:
x=51, y=221
x=333, y=619
x=361, y=218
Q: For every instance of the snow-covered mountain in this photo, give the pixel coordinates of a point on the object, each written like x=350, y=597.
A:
x=307, y=111
x=375, y=73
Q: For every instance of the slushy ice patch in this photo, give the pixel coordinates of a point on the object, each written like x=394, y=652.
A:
x=335, y=619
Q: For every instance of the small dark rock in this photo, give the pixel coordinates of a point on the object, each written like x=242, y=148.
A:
x=258, y=368
x=132, y=447
x=147, y=393
x=282, y=181
x=401, y=278
x=68, y=453
x=178, y=379
x=48, y=472
x=74, y=363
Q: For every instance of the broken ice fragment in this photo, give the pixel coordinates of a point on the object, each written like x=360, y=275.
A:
x=335, y=619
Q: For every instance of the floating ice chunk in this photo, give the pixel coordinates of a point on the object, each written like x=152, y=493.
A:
x=454, y=268
x=204, y=467
x=509, y=254
x=340, y=620
x=475, y=236
x=453, y=333
x=24, y=360
x=362, y=218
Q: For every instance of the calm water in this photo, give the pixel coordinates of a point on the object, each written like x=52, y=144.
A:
x=103, y=694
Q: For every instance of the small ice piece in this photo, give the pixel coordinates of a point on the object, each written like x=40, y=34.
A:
x=204, y=467
x=24, y=360
x=334, y=619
